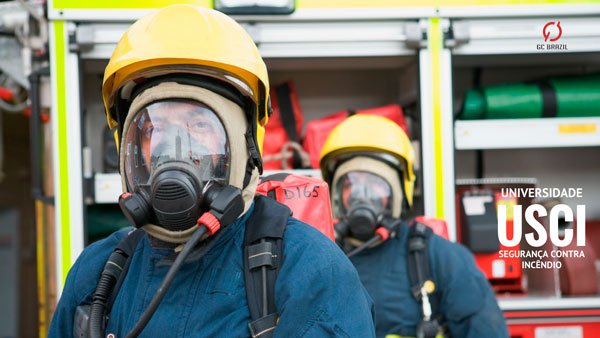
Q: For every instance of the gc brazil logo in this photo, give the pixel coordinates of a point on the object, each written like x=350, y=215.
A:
x=552, y=32
x=553, y=29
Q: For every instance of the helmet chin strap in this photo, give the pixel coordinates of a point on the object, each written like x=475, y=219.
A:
x=234, y=121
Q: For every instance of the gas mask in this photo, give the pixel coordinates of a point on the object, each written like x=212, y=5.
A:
x=364, y=198
x=177, y=155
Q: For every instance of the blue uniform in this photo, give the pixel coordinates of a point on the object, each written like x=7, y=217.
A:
x=317, y=294
x=465, y=299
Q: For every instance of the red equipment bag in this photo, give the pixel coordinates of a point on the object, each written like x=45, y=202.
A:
x=281, y=148
x=438, y=225
x=307, y=197
x=317, y=131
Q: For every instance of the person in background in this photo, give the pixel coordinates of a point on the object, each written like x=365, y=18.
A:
x=422, y=284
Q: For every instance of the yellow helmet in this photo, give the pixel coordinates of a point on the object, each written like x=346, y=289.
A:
x=375, y=136
x=189, y=39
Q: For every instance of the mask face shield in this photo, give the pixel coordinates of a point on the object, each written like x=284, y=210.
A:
x=362, y=198
x=183, y=132
x=362, y=188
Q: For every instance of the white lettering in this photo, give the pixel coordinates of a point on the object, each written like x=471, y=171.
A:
x=537, y=226
x=581, y=225
x=502, y=226
x=554, y=217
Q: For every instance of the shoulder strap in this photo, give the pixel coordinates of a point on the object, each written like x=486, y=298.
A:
x=418, y=256
x=126, y=245
x=419, y=272
x=263, y=250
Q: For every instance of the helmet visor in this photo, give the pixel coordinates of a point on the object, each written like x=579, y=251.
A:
x=175, y=131
x=362, y=188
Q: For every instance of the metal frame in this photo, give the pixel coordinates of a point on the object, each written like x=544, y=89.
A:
x=437, y=126
x=520, y=10
x=333, y=14
x=278, y=39
x=546, y=303
x=66, y=150
x=502, y=36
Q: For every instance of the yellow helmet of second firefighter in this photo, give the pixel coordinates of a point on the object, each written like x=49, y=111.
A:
x=189, y=39
x=373, y=136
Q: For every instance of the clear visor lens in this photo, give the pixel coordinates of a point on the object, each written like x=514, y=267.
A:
x=362, y=188
x=175, y=131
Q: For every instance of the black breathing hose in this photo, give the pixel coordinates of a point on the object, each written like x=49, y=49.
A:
x=166, y=283
x=364, y=246
x=389, y=227
x=108, y=278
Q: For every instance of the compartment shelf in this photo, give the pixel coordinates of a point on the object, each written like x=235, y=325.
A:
x=528, y=303
x=527, y=133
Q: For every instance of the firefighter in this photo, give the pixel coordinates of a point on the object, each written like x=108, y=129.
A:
x=187, y=93
x=434, y=288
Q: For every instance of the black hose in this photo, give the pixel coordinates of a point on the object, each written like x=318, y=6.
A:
x=108, y=278
x=364, y=245
x=166, y=283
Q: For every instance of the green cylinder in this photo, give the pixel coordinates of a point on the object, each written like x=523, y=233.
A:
x=577, y=96
x=573, y=97
x=513, y=101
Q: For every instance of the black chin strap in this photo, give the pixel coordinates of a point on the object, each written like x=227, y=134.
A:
x=254, y=159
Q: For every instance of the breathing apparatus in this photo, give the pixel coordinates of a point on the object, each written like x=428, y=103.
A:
x=367, y=200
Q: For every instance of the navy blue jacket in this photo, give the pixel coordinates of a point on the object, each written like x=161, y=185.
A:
x=317, y=294
x=465, y=298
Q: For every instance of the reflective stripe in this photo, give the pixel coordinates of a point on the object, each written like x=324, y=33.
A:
x=120, y=4
x=435, y=48
x=63, y=226
x=147, y=4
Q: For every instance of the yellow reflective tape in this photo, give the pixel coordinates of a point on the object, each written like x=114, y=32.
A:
x=64, y=225
x=120, y=4
x=435, y=50
x=40, y=248
x=149, y=4
x=337, y=4
x=582, y=128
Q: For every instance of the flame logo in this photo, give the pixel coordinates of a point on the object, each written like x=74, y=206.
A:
x=546, y=31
